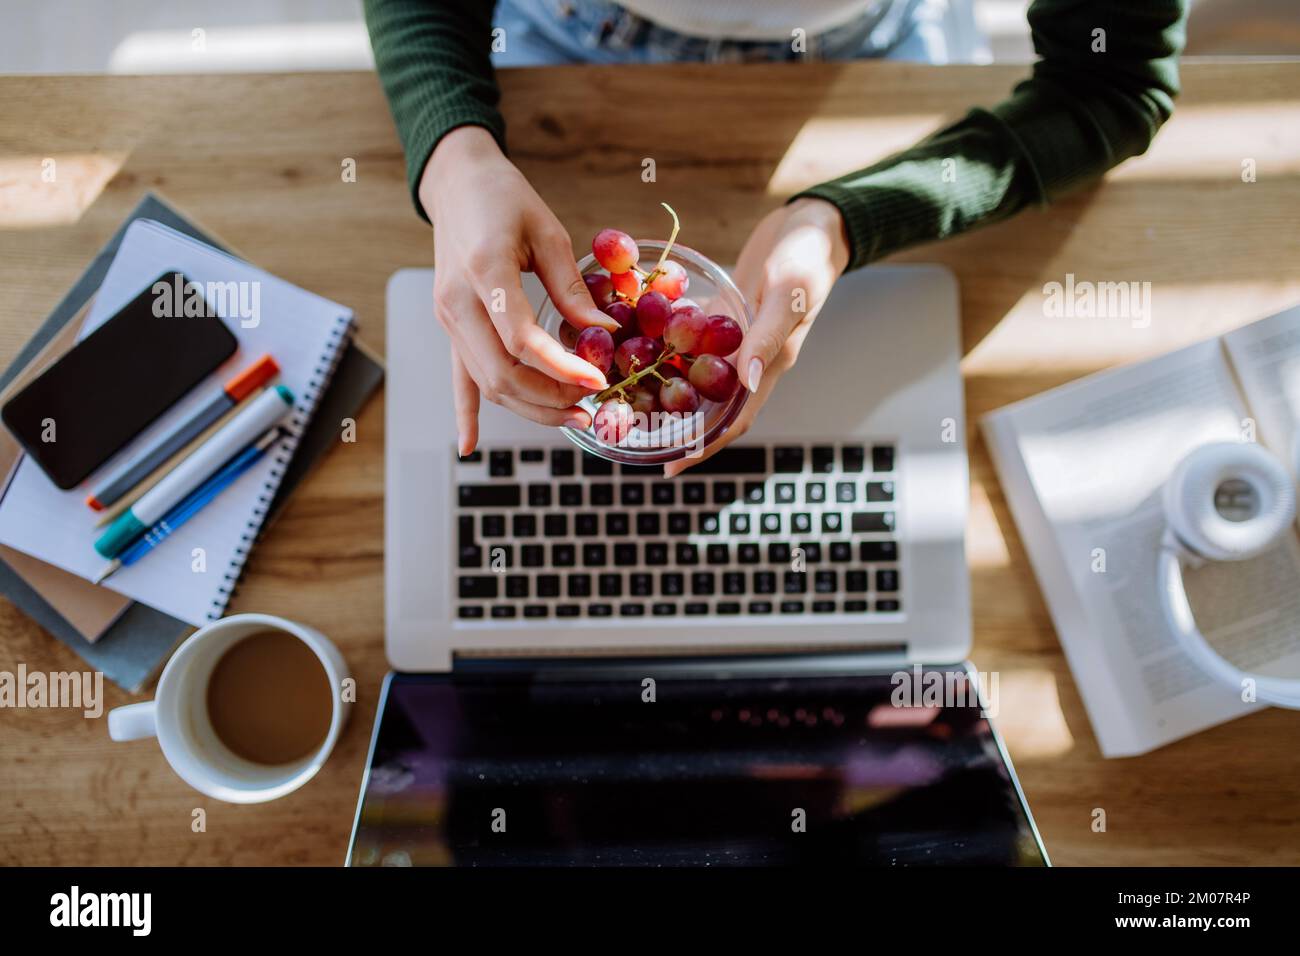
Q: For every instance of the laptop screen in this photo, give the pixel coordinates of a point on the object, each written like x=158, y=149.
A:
x=681, y=769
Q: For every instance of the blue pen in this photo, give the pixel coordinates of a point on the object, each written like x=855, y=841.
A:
x=191, y=505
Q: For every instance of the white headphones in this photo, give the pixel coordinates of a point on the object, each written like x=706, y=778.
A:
x=1225, y=502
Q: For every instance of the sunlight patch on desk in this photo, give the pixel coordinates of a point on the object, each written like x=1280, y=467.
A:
x=39, y=191
x=826, y=147
x=1030, y=717
x=1213, y=141
x=985, y=546
x=270, y=48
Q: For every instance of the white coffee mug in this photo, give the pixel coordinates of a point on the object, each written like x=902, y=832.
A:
x=178, y=714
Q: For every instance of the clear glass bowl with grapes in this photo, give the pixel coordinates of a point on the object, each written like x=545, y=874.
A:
x=673, y=386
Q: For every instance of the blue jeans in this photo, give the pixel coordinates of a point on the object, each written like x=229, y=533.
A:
x=547, y=32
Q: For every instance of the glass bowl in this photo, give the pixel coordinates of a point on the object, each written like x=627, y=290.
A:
x=676, y=436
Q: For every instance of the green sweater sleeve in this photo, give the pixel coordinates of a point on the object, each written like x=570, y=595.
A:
x=434, y=59
x=1105, y=82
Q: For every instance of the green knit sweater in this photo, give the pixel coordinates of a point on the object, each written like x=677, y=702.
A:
x=1105, y=82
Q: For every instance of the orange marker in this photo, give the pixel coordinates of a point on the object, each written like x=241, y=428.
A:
x=231, y=394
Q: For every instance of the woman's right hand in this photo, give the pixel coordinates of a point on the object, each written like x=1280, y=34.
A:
x=488, y=227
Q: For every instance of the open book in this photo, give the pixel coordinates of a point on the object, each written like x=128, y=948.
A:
x=1083, y=467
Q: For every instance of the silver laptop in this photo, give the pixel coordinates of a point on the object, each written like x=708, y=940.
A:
x=835, y=525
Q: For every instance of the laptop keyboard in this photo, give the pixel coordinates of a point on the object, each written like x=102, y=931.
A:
x=757, y=531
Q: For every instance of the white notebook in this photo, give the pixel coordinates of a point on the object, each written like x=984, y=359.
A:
x=306, y=335
x=1082, y=467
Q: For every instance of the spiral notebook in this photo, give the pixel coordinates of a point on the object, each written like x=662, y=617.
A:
x=192, y=574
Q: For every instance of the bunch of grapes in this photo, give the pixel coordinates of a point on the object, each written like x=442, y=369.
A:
x=672, y=356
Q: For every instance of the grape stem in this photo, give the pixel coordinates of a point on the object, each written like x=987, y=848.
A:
x=635, y=377
x=658, y=270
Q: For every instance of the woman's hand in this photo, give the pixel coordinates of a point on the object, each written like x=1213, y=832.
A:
x=786, y=270
x=488, y=227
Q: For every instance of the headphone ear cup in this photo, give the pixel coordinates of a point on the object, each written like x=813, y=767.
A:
x=1246, y=471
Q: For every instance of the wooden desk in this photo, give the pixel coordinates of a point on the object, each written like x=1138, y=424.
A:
x=258, y=160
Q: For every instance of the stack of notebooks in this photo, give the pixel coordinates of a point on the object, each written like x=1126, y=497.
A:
x=128, y=626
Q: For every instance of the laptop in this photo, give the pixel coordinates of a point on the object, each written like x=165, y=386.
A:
x=804, y=571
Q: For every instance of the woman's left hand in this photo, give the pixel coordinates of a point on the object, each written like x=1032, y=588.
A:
x=785, y=271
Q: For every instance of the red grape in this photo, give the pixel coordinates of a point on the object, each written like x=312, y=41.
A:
x=601, y=289
x=627, y=284
x=672, y=280
x=615, y=250
x=635, y=354
x=714, y=377
x=685, y=303
x=622, y=313
x=596, y=346
x=612, y=421
x=721, y=336
x=674, y=366
x=644, y=398
x=568, y=335
x=652, y=313
x=684, y=331
x=679, y=395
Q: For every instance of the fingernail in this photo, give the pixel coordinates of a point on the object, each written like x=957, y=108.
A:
x=755, y=373
x=575, y=423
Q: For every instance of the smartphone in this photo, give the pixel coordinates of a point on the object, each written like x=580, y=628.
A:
x=116, y=381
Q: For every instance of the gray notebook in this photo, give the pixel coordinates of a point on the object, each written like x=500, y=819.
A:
x=139, y=641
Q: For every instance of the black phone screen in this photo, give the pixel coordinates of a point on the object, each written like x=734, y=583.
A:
x=117, y=380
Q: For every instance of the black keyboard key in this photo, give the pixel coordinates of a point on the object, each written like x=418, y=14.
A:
x=503, y=610
x=679, y=522
x=760, y=607
x=571, y=496
x=532, y=555
x=632, y=495
x=764, y=582
x=880, y=491
x=794, y=582
x=489, y=496
x=563, y=555
x=734, y=461
x=548, y=585
x=852, y=457
x=882, y=458
x=724, y=492
x=501, y=464
x=823, y=607
x=748, y=553
x=539, y=496
x=800, y=522
x=696, y=608
x=770, y=523
x=831, y=522
x=591, y=465
x=823, y=459
x=473, y=458
x=687, y=553
x=886, y=580
x=778, y=553
x=866, y=522
x=556, y=526
x=656, y=553
x=888, y=605
x=532, y=455
x=611, y=585
x=594, y=555
x=536, y=610
x=602, y=495
x=523, y=526
x=647, y=524
x=469, y=611
x=708, y=522
x=471, y=556
x=640, y=584
x=717, y=554
x=855, y=606
x=663, y=609
x=814, y=493
x=784, y=493
x=478, y=586
x=516, y=586
x=567, y=610
x=787, y=460
x=792, y=607
x=846, y=492
x=586, y=525
x=501, y=556
x=693, y=493
x=879, y=550
x=672, y=584
x=826, y=582
x=600, y=610
x=663, y=493
x=616, y=524
x=855, y=581
x=465, y=529
x=739, y=524
x=631, y=610
x=733, y=582
x=727, y=607
x=579, y=585
x=624, y=554
x=494, y=526
x=561, y=462
x=841, y=551
x=755, y=492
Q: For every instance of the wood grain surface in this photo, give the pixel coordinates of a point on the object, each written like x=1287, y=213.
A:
x=258, y=160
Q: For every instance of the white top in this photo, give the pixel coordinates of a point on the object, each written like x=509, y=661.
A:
x=749, y=19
